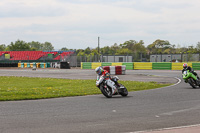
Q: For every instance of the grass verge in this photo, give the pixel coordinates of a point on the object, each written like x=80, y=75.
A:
x=24, y=88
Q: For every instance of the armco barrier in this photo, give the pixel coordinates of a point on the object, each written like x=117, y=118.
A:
x=161, y=66
x=116, y=70
x=143, y=65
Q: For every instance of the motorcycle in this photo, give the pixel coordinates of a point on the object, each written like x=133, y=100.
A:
x=190, y=78
x=107, y=90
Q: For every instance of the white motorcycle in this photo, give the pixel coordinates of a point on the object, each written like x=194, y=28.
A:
x=107, y=90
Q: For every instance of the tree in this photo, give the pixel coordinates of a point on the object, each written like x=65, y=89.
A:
x=114, y=48
x=123, y=51
x=192, y=50
x=158, y=46
x=47, y=46
x=128, y=44
x=2, y=47
x=87, y=50
x=64, y=49
x=19, y=45
x=198, y=46
x=105, y=50
x=35, y=46
x=139, y=47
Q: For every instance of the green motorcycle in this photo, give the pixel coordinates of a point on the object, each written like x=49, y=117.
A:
x=190, y=78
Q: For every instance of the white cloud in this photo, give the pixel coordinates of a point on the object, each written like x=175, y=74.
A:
x=77, y=24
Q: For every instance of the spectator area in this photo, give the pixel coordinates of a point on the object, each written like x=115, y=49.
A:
x=33, y=55
x=62, y=55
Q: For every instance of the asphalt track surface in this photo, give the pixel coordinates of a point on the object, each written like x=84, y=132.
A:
x=162, y=108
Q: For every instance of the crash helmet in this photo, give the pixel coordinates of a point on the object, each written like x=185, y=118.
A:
x=99, y=70
x=185, y=65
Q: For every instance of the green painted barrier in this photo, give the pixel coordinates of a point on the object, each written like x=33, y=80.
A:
x=196, y=66
x=22, y=65
x=161, y=66
x=28, y=65
x=34, y=65
x=106, y=64
x=41, y=65
x=48, y=64
x=86, y=65
x=44, y=65
x=129, y=66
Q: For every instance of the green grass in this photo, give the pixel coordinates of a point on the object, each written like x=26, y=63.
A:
x=22, y=88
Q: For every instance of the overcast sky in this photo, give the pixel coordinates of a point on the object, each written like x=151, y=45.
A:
x=77, y=24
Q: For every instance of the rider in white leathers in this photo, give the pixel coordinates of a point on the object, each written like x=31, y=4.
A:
x=101, y=75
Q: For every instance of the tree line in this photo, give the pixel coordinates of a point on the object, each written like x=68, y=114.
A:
x=127, y=48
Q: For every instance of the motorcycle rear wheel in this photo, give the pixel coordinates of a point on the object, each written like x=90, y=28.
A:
x=124, y=91
x=191, y=82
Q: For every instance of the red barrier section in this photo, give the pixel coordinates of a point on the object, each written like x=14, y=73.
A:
x=107, y=68
x=34, y=55
x=116, y=70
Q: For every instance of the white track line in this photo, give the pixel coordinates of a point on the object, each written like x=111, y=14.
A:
x=170, y=128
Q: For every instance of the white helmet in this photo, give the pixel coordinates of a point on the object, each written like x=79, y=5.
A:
x=99, y=70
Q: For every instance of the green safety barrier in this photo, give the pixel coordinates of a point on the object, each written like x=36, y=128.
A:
x=129, y=66
x=106, y=64
x=196, y=66
x=161, y=66
x=86, y=65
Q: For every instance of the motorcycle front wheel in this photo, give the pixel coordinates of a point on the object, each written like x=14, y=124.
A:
x=106, y=91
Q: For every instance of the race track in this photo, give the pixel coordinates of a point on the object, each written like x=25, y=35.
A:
x=173, y=106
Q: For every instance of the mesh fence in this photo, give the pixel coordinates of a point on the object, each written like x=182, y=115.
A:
x=75, y=60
